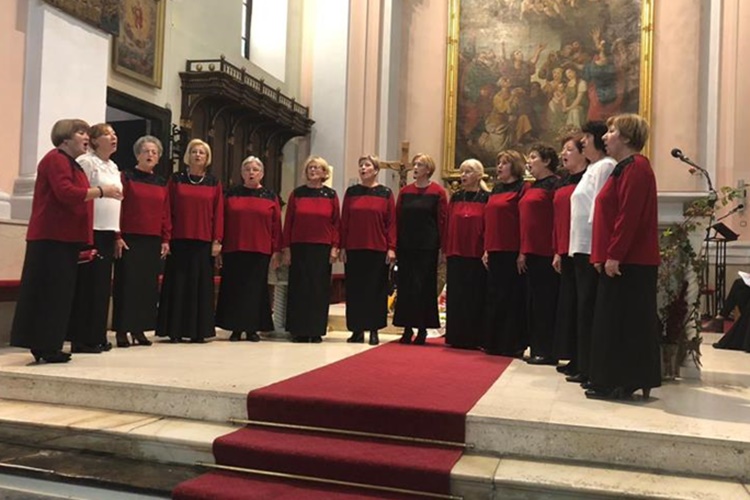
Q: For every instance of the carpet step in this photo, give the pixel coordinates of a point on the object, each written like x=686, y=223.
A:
x=359, y=460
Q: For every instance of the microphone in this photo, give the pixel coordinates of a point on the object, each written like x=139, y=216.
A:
x=677, y=153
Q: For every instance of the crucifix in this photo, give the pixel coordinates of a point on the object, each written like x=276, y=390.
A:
x=401, y=166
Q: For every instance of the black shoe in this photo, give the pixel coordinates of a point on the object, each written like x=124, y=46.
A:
x=139, y=338
x=587, y=385
x=317, y=339
x=578, y=378
x=374, y=339
x=50, y=356
x=421, y=337
x=563, y=369
x=235, y=337
x=301, y=340
x=253, y=337
x=406, y=336
x=356, y=338
x=121, y=339
x=197, y=341
x=86, y=349
x=107, y=346
x=541, y=360
x=174, y=340
x=602, y=393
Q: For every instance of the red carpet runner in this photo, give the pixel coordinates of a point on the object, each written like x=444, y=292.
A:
x=393, y=389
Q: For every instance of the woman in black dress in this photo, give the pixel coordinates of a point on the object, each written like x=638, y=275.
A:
x=310, y=247
x=146, y=226
x=186, y=304
x=252, y=242
x=368, y=246
x=421, y=214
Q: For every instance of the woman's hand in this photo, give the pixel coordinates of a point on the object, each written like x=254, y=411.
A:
x=333, y=257
x=486, y=260
x=342, y=255
x=521, y=263
x=215, y=248
x=286, y=257
x=164, y=250
x=612, y=268
x=557, y=263
x=219, y=261
x=390, y=257
x=120, y=245
x=112, y=191
x=598, y=267
x=275, y=261
x=441, y=258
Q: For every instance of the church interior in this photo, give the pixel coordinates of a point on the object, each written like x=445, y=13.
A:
x=287, y=79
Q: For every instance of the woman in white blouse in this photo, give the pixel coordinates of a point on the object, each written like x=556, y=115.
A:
x=87, y=329
x=581, y=220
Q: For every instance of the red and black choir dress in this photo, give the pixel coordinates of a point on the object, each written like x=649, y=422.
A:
x=542, y=282
x=421, y=215
x=466, y=275
x=60, y=225
x=311, y=230
x=566, y=323
x=252, y=234
x=625, y=342
x=506, y=328
x=368, y=231
x=145, y=223
x=186, y=303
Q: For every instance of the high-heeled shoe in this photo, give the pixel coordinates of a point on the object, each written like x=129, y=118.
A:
x=121, y=339
x=106, y=346
x=139, y=338
x=235, y=337
x=253, y=337
x=85, y=348
x=50, y=356
x=421, y=337
x=406, y=336
x=374, y=339
x=627, y=392
x=356, y=338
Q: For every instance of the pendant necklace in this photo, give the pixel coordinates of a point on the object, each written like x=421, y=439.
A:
x=190, y=179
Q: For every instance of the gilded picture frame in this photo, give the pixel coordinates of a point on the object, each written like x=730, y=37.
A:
x=521, y=72
x=138, y=50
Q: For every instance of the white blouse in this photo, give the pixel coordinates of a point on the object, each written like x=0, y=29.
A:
x=582, y=204
x=101, y=173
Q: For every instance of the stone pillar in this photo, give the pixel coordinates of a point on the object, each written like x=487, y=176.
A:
x=65, y=76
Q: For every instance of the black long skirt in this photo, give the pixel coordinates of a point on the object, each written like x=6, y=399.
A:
x=88, y=321
x=566, y=319
x=135, y=293
x=465, y=303
x=506, y=329
x=48, y=283
x=186, y=303
x=543, y=285
x=586, y=284
x=737, y=337
x=625, y=342
x=366, y=290
x=416, y=299
x=309, y=290
x=244, y=304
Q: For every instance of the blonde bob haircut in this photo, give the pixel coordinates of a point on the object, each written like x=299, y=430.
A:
x=66, y=128
x=372, y=159
x=98, y=130
x=474, y=165
x=633, y=128
x=426, y=159
x=253, y=159
x=516, y=160
x=193, y=143
x=321, y=162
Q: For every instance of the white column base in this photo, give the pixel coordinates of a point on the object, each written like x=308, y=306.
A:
x=23, y=195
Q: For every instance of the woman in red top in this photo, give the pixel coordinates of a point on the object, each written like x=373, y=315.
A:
x=310, y=246
x=146, y=228
x=252, y=242
x=566, y=337
x=505, y=331
x=464, y=247
x=197, y=208
x=421, y=212
x=535, y=256
x=368, y=246
x=61, y=222
x=625, y=249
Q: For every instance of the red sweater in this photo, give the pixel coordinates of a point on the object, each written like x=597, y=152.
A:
x=536, y=214
x=501, y=218
x=252, y=221
x=312, y=216
x=561, y=205
x=58, y=211
x=421, y=215
x=625, y=215
x=145, y=205
x=197, y=208
x=368, y=219
x=465, y=236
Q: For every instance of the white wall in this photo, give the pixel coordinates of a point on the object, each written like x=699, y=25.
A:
x=268, y=34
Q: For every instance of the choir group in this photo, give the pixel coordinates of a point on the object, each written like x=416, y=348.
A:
x=565, y=265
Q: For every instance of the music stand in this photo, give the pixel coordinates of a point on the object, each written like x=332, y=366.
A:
x=722, y=229
x=722, y=235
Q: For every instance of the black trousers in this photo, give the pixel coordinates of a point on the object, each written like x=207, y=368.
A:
x=586, y=284
x=566, y=320
x=506, y=329
x=543, y=285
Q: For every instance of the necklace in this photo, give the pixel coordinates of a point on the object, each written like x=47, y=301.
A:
x=190, y=179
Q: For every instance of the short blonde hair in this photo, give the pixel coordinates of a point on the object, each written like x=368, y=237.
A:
x=426, y=159
x=253, y=159
x=517, y=162
x=475, y=166
x=193, y=143
x=321, y=162
x=633, y=128
x=372, y=159
x=66, y=128
x=98, y=130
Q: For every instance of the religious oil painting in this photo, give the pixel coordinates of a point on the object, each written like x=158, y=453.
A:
x=138, y=50
x=527, y=71
x=102, y=14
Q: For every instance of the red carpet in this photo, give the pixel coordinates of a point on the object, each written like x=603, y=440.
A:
x=393, y=389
